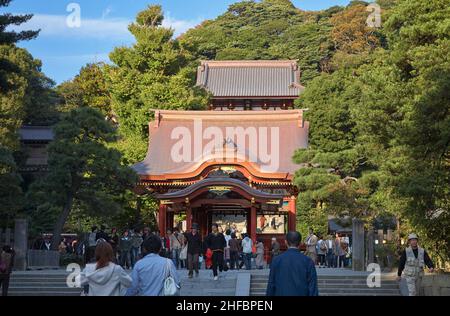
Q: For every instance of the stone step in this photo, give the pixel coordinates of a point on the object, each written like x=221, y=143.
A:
x=331, y=277
x=330, y=285
x=48, y=284
x=59, y=293
x=349, y=286
x=348, y=293
x=45, y=289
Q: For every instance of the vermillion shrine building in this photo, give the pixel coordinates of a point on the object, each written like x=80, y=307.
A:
x=232, y=164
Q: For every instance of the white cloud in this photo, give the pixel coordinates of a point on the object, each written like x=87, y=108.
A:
x=107, y=12
x=180, y=26
x=56, y=25
x=104, y=28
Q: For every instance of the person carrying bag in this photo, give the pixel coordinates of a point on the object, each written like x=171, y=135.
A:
x=170, y=286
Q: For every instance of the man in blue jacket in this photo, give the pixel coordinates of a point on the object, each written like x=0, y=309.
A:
x=292, y=273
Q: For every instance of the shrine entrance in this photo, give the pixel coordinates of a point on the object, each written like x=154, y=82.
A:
x=229, y=202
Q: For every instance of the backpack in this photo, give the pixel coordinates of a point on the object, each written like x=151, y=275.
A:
x=92, y=240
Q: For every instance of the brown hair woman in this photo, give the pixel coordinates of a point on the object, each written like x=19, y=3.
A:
x=104, y=277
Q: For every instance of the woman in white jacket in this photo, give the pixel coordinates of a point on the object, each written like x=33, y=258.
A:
x=105, y=278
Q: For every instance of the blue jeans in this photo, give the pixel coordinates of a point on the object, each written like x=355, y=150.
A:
x=330, y=259
x=247, y=261
x=176, y=257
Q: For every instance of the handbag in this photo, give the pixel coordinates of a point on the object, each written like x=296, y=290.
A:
x=170, y=287
x=183, y=253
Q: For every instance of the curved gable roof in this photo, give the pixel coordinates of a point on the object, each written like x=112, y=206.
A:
x=284, y=130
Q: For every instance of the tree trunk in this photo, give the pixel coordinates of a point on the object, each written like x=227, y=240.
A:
x=56, y=239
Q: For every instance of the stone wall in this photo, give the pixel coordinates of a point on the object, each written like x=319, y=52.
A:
x=436, y=285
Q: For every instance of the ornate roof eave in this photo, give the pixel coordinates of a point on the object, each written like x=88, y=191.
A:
x=210, y=182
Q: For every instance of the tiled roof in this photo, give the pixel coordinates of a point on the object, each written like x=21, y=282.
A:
x=292, y=135
x=254, y=78
x=36, y=133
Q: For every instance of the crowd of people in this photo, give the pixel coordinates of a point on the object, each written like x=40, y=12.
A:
x=155, y=260
x=328, y=252
x=187, y=250
x=156, y=275
x=221, y=250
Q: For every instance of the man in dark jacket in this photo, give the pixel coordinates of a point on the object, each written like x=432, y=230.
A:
x=102, y=234
x=292, y=273
x=194, y=249
x=216, y=242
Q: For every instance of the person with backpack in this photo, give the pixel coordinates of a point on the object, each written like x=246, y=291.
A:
x=92, y=243
x=6, y=265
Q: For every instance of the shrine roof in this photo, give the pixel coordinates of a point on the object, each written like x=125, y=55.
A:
x=250, y=78
x=36, y=133
x=264, y=140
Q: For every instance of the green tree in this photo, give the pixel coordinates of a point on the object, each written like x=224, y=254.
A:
x=152, y=74
x=83, y=171
x=11, y=38
x=89, y=88
x=13, y=95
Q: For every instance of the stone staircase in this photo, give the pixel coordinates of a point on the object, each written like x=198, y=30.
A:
x=208, y=287
x=53, y=283
x=331, y=283
x=41, y=283
x=336, y=285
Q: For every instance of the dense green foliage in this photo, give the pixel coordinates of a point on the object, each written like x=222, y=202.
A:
x=381, y=121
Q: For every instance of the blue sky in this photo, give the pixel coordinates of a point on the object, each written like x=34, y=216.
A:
x=65, y=50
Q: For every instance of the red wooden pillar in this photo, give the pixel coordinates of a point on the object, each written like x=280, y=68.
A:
x=162, y=219
x=253, y=222
x=292, y=217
